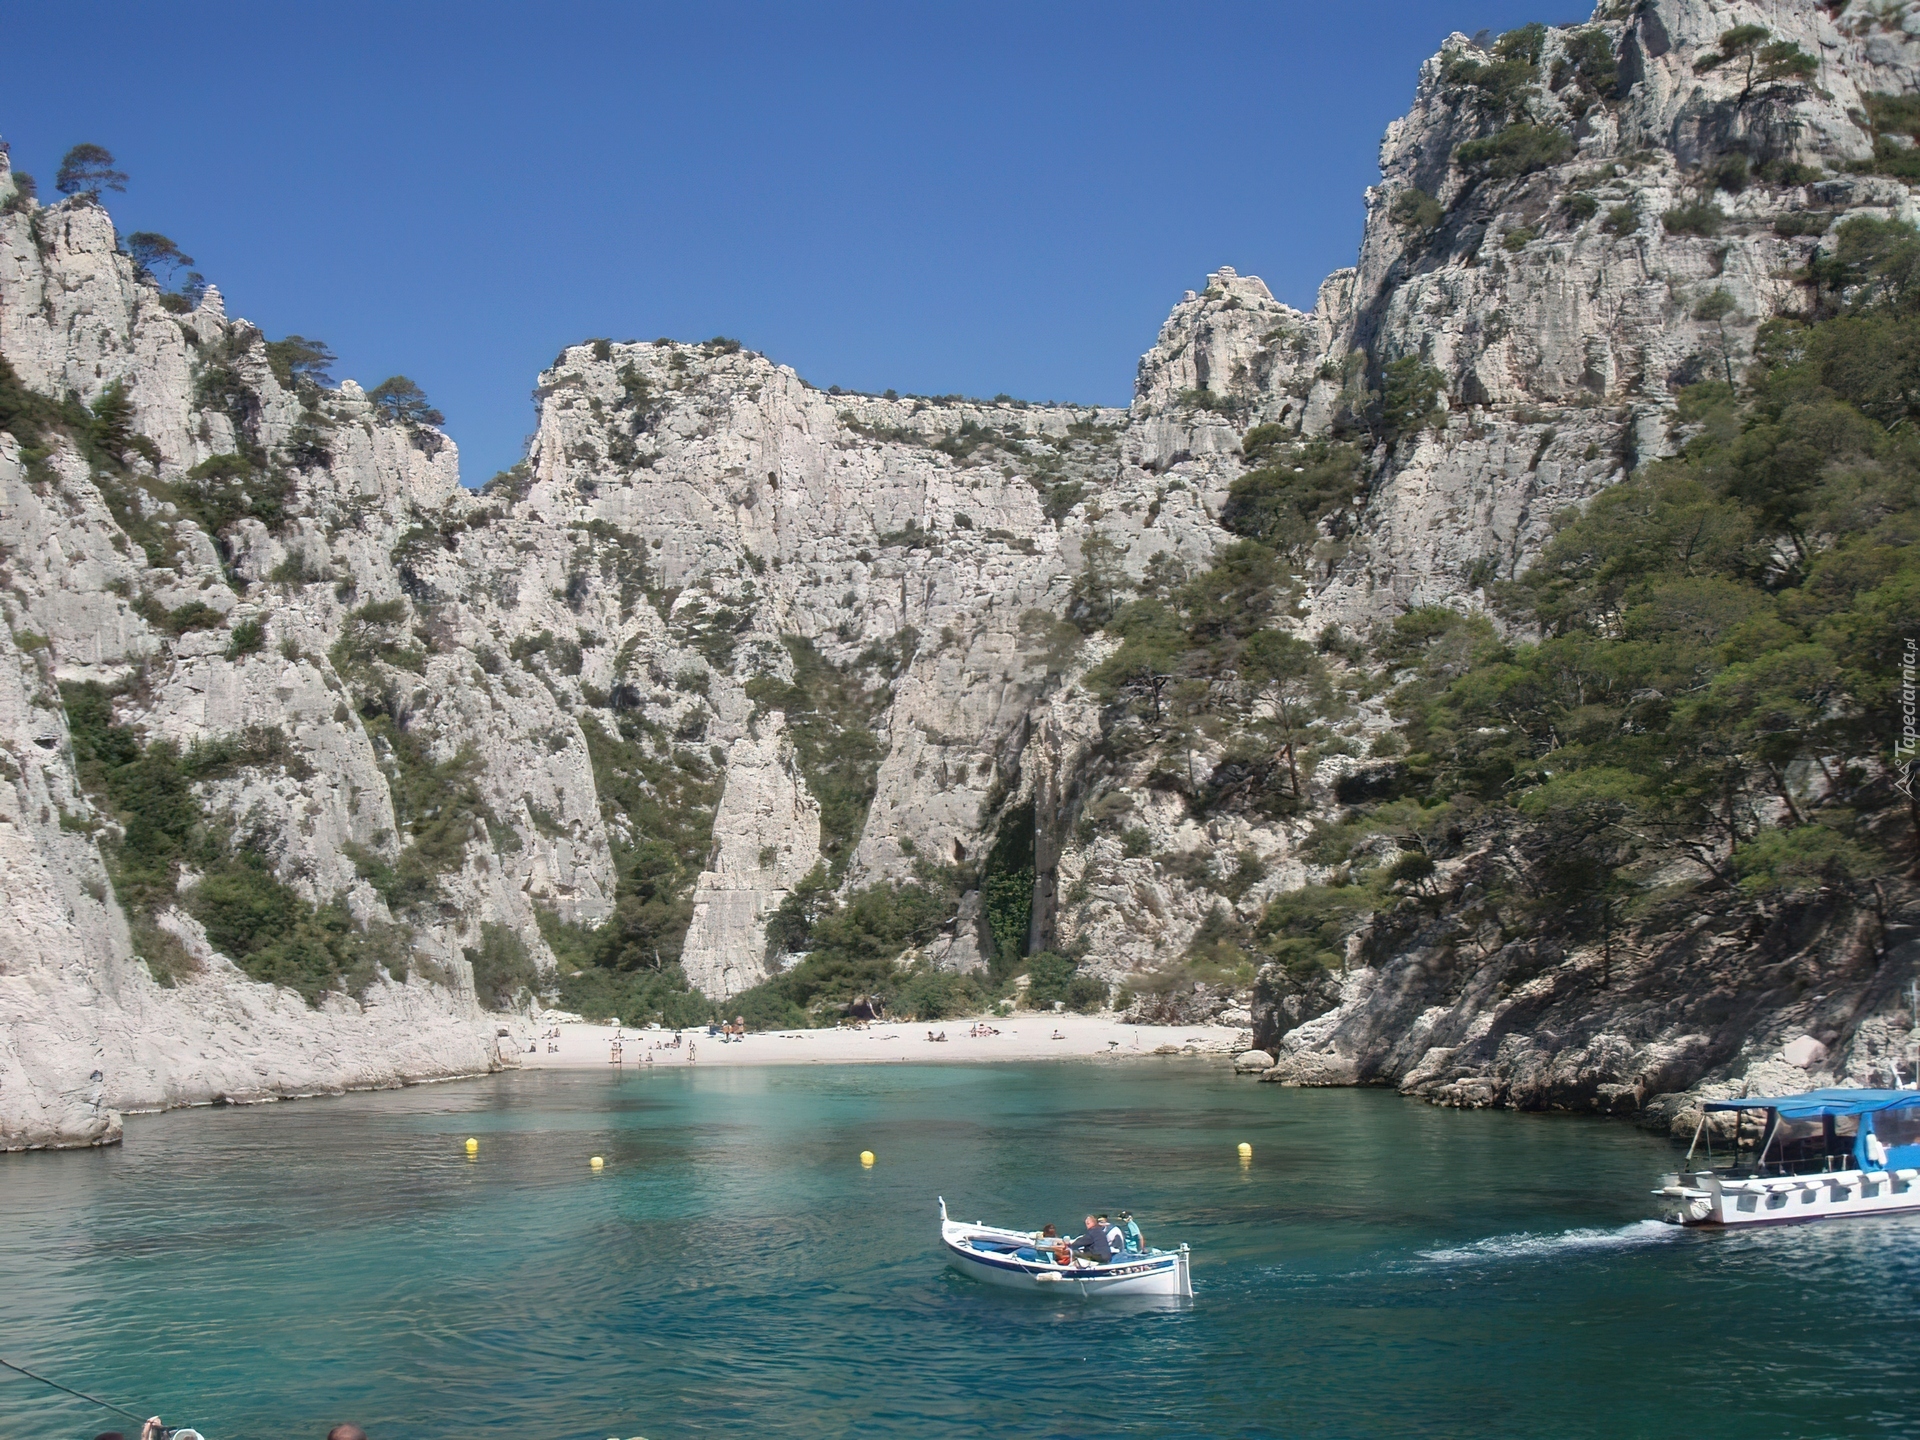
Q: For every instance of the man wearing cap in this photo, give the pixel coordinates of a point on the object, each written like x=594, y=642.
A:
x=1131, y=1234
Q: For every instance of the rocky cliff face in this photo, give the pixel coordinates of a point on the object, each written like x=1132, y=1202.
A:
x=445, y=713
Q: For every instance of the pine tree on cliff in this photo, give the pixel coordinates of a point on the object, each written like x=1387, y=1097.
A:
x=87, y=170
x=1768, y=61
x=398, y=398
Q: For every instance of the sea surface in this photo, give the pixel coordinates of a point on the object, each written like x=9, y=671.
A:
x=1379, y=1268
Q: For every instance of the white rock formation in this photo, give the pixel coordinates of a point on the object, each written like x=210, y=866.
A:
x=766, y=836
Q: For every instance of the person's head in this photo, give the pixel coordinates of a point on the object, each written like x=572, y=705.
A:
x=110, y=1435
x=1089, y=1222
x=1102, y=1219
x=1126, y=1215
x=346, y=1432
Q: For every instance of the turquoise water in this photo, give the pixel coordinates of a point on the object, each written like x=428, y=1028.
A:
x=1380, y=1268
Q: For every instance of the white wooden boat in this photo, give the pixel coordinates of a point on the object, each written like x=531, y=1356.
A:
x=1012, y=1260
x=1824, y=1155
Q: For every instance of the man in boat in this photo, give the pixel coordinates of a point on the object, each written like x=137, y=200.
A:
x=1130, y=1234
x=1095, y=1244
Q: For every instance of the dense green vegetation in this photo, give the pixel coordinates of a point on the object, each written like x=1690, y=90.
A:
x=262, y=925
x=1515, y=150
x=1708, y=697
x=1696, y=691
x=831, y=714
x=849, y=952
x=439, y=809
x=661, y=797
x=1201, y=659
x=503, y=971
x=1006, y=893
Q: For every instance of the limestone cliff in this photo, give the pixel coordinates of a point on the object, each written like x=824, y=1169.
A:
x=448, y=713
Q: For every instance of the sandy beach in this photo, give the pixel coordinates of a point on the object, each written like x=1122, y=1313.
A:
x=1018, y=1037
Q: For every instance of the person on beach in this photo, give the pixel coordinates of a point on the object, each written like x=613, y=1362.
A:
x=689, y=1052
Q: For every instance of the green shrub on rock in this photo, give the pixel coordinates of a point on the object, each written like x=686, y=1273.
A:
x=1520, y=149
x=1416, y=210
x=1701, y=217
x=502, y=968
x=1622, y=220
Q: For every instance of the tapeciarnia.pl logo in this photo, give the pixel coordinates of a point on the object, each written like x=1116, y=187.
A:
x=1909, y=741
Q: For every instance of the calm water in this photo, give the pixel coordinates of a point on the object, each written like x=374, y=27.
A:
x=1381, y=1268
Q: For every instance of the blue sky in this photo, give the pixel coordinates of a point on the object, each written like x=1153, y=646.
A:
x=936, y=198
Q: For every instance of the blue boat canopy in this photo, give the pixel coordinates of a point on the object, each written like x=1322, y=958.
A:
x=1836, y=1100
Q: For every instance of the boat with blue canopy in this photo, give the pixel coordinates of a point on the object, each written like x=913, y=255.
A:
x=1821, y=1155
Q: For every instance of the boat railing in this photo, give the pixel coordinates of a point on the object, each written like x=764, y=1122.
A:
x=1750, y=1169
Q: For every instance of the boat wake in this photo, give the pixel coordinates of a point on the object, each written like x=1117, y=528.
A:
x=1527, y=1246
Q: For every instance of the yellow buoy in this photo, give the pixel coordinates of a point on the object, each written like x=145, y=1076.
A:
x=1246, y=1151
x=866, y=1157
x=597, y=1163
x=472, y=1146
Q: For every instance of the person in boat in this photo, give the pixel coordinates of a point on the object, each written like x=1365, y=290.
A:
x=1116, y=1238
x=1130, y=1233
x=1052, y=1246
x=1094, y=1244
x=346, y=1432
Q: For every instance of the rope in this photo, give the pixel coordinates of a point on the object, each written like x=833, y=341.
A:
x=95, y=1400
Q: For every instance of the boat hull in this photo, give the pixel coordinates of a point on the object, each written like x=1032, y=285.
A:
x=987, y=1254
x=1711, y=1200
